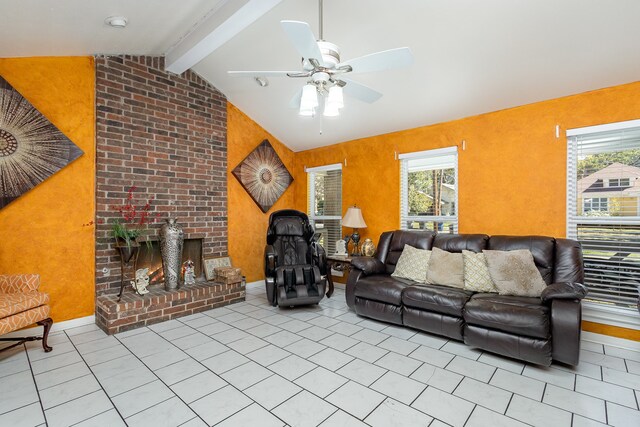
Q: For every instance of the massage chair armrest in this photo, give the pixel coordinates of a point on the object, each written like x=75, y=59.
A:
x=368, y=265
x=319, y=257
x=270, y=260
x=564, y=291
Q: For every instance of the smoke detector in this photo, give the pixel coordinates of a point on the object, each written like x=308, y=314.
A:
x=116, y=21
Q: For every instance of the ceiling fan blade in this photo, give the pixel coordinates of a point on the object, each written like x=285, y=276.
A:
x=260, y=73
x=360, y=91
x=380, y=61
x=303, y=39
x=295, y=101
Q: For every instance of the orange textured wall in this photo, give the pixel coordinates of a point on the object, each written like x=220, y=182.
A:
x=42, y=232
x=247, y=224
x=512, y=175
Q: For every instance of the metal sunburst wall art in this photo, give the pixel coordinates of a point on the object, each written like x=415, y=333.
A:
x=263, y=175
x=31, y=147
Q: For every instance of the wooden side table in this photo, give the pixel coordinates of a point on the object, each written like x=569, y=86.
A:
x=338, y=263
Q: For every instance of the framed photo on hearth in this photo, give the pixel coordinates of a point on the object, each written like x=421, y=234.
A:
x=212, y=262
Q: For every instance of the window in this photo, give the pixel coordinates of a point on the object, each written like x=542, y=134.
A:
x=325, y=203
x=619, y=182
x=429, y=190
x=596, y=204
x=606, y=218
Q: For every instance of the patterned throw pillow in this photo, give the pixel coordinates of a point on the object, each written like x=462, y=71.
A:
x=446, y=269
x=412, y=264
x=476, y=273
x=515, y=273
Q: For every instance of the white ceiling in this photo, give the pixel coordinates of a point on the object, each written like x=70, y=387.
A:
x=471, y=56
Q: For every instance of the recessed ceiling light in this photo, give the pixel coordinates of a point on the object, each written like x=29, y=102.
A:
x=116, y=21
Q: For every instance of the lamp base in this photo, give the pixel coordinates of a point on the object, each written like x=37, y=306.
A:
x=355, y=237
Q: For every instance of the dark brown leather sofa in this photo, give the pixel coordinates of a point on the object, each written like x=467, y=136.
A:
x=537, y=330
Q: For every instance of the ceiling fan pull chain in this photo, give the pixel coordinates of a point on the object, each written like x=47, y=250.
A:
x=321, y=23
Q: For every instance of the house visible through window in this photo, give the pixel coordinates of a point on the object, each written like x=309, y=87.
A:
x=429, y=190
x=325, y=203
x=603, y=200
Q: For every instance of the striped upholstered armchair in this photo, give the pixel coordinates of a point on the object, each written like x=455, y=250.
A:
x=22, y=305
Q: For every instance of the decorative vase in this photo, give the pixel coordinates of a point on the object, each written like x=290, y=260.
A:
x=368, y=248
x=171, y=241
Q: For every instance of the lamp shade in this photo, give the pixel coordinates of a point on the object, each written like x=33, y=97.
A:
x=335, y=99
x=309, y=97
x=353, y=218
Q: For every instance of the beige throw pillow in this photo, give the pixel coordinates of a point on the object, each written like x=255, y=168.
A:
x=476, y=273
x=412, y=264
x=445, y=268
x=515, y=273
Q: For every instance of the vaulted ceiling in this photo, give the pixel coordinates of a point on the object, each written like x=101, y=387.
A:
x=470, y=56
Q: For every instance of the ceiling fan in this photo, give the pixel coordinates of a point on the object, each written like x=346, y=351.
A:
x=324, y=71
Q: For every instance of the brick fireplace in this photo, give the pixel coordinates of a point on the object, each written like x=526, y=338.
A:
x=167, y=135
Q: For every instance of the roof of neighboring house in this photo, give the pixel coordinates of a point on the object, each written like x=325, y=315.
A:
x=597, y=181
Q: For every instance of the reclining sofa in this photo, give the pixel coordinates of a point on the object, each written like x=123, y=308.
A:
x=537, y=330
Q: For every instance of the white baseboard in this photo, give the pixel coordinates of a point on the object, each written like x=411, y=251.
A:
x=59, y=326
x=255, y=284
x=609, y=340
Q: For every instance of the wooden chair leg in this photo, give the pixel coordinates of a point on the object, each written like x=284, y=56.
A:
x=47, y=323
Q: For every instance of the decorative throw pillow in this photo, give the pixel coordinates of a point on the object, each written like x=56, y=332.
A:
x=445, y=268
x=476, y=273
x=515, y=273
x=412, y=264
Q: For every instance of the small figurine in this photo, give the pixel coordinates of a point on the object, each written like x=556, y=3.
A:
x=141, y=282
x=341, y=248
x=188, y=272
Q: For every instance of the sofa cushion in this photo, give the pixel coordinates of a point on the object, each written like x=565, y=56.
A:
x=461, y=242
x=381, y=287
x=515, y=273
x=412, y=264
x=439, y=299
x=517, y=315
x=11, y=304
x=23, y=319
x=542, y=248
x=445, y=268
x=476, y=273
x=394, y=244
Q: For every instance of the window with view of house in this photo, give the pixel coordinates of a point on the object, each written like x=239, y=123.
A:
x=325, y=203
x=603, y=210
x=429, y=190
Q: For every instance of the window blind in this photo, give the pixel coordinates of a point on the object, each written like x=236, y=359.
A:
x=429, y=190
x=325, y=204
x=603, y=210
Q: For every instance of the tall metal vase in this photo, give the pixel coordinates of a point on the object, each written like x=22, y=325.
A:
x=171, y=242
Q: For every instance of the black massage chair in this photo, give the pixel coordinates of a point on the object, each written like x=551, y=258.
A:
x=295, y=264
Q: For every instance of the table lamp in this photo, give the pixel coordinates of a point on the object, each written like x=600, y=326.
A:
x=353, y=219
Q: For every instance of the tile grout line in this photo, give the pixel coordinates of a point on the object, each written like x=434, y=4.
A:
x=187, y=404
x=98, y=381
x=35, y=384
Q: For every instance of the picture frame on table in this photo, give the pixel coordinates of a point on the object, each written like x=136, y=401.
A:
x=210, y=263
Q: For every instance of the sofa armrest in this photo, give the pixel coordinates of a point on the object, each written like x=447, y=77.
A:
x=350, y=291
x=270, y=260
x=368, y=265
x=19, y=283
x=565, y=290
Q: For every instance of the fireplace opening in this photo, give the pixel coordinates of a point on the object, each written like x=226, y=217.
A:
x=151, y=258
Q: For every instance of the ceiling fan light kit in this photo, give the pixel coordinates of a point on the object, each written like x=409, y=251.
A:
x=322, y=68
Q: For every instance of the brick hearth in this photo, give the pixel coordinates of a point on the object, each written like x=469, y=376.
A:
x=134, y=311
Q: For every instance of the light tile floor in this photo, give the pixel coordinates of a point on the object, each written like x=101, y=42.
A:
x=254, y=365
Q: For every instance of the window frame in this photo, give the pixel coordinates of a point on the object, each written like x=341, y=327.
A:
x=592, y=311
x=311, y=195
x=404, y=187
